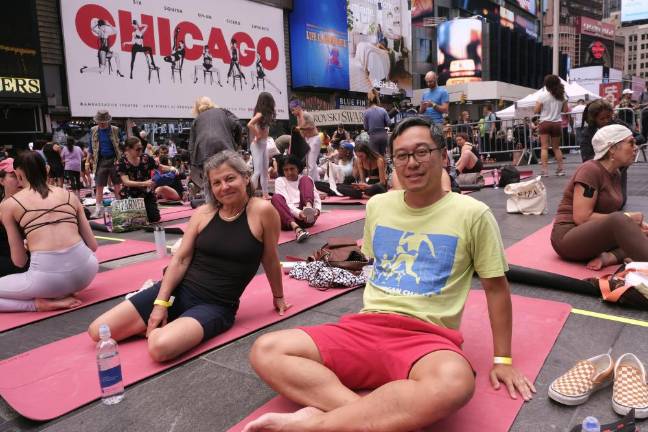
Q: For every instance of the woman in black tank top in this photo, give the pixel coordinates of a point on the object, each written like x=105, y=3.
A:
x=372, y=171
x=222, y=247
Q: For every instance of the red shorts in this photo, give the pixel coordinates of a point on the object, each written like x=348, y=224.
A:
x=368, y=350
x=553, y=129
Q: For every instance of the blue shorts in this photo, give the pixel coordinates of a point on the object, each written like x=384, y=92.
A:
x=215, y=318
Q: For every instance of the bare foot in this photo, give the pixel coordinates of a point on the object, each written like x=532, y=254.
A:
x=274, y=422
x=603, y=260
x=44, y=305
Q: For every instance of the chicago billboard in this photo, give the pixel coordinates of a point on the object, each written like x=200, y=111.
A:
x=155, y=58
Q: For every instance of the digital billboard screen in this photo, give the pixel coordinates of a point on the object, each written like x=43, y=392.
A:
x=634, y=10
x=319, y=45
x=380, y=43
x=596, y=51
x=459, y=51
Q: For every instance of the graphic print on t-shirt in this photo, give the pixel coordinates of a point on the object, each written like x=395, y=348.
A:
x=408, y=263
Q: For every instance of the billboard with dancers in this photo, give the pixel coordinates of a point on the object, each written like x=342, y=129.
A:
x=153, y=59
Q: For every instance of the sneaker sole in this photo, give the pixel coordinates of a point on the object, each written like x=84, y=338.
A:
x=640, y=413
x=573, y=400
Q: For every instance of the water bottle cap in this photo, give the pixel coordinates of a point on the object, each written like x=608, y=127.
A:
x=104, y=331
x=591, y=423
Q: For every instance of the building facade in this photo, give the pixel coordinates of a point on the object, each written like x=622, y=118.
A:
x=636, y=52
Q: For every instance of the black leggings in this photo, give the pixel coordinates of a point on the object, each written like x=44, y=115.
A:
x=152, y=210
x=139, y=48
x=75, y=179
x=345, y=189
x=615, y=233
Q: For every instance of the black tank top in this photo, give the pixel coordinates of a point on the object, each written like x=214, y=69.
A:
x=226, y=258
x=5, y=251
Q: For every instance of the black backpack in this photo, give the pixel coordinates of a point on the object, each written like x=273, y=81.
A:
x=509, y=174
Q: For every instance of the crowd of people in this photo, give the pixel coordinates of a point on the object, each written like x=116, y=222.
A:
x=47, y=254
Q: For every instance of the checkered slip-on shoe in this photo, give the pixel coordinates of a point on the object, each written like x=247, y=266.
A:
x=630, y=389
x=586, y=377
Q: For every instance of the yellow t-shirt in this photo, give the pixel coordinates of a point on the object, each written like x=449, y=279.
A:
x=424, y=259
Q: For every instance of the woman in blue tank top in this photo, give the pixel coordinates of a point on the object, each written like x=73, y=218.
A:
x=224, y=243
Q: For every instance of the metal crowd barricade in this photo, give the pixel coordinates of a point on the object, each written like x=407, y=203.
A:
x=643, y=128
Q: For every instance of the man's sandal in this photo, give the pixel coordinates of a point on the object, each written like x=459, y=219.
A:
x=301, y=235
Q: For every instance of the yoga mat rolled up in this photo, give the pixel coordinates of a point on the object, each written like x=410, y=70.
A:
x=551, y=280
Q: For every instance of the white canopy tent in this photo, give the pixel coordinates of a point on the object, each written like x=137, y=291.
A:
x=524, y=107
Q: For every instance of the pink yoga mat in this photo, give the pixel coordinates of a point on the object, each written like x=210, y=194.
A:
x=175, y=215
x=343, y=200
x=123, y=249
x=328, y=220
x=106, y=285
x=536, y=252
x=57, y=378
x=537, y=324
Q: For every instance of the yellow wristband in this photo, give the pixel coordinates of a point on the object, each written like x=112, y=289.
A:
x=503, y=361
x=166, y=304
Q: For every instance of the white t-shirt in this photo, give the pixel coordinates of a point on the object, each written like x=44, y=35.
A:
x=577, y=113
x=290, y=191
x=551, y=107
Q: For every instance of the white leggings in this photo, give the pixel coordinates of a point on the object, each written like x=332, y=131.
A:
x=51, y=275
x=315, y=144
x=260, y=163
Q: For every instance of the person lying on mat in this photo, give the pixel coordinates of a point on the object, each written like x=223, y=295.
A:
x=221, y=249
x=49, y=222
x=9, y=185
x=589, y=225
x=296, y=199
x=371, y=171
x=427, y=244
x=135, y=169
x=469, y=160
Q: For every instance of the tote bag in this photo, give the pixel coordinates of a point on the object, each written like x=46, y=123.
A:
x=529, y=197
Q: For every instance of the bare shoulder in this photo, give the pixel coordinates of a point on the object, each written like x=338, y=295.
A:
x=260, y=206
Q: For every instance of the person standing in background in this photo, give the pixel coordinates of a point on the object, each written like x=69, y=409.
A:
x=435, y=101
x=375, y=121
x=550, y=105
x=307, y=128
x=105, y=152
x=259, y=126
x=72, y=156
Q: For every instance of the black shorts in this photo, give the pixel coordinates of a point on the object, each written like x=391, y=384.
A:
x=214, y=318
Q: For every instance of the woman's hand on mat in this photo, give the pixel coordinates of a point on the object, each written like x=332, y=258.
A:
x=513, y=380
x=158, y=318
x=280, y=305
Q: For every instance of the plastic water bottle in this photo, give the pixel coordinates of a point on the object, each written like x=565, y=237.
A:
x=110, y=374
x=108, y=217
x=496, y=178
x=160, y=241
x=591, y=424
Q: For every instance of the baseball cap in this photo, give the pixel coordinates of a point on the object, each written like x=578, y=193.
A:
x=606, y=137
x=627, y=91
x=6, y=165
x=347, y=145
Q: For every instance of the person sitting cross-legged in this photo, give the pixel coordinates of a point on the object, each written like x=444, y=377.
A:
x=296, y=199
x=405, y=345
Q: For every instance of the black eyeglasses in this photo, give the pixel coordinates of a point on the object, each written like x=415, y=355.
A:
x=420, y=155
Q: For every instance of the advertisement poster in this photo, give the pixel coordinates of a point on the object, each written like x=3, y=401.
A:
x=318, y=44
x=422, y=9
x=153, y=59
x=380, y=41
x=20, y=61
x=634, y=10
x=459, y=51
x=611, y=92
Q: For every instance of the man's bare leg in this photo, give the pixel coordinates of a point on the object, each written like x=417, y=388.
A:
x=290, y=363
x=438, y=385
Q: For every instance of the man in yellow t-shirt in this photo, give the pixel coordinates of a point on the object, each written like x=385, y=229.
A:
x=405, y=343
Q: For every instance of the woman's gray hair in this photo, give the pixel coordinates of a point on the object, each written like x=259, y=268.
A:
x=234, y=161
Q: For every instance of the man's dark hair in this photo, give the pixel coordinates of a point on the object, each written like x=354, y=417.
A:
x=293, y=160
x=435, y=134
